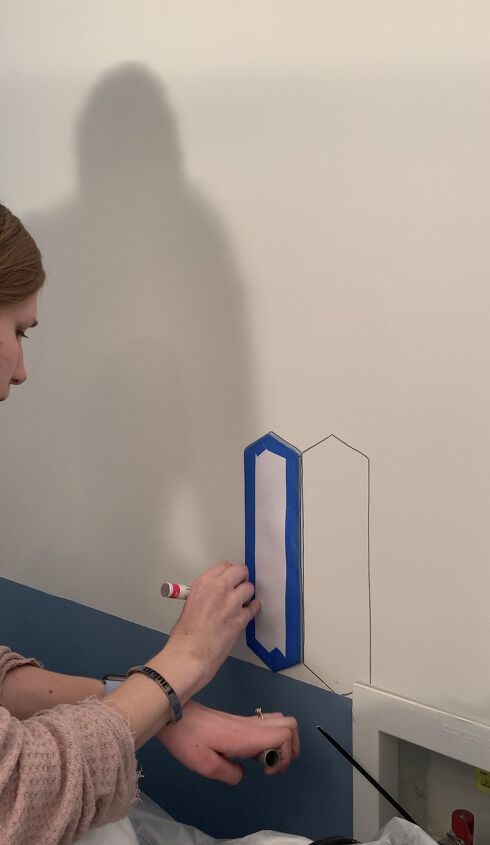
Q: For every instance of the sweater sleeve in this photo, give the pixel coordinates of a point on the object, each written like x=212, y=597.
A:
x=63, y=771
x=11, y=660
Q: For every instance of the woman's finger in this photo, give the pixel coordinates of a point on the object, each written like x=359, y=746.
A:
x=218, y=568
x=217, y=767
x=278, y=720
x=244, y=593
x=292, y=724
x=235, y=574
x=250, y=610
x=286, y=751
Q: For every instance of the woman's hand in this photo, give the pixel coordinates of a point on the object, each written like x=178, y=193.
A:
x=218, y=608
x=205, y=739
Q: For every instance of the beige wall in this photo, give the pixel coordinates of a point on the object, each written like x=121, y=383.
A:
x=255, y=216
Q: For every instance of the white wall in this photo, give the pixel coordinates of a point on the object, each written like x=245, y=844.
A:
x=276, y=219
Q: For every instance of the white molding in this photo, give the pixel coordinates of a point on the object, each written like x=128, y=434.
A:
x=380, y=719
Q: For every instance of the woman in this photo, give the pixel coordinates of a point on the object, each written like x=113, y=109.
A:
x=67, y=758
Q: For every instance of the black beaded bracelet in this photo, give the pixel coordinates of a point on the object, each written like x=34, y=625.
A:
x=172, y=696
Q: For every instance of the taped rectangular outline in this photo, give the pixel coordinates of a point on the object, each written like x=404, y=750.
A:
x=292, y=543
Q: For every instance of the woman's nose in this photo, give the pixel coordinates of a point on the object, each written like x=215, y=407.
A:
x=20, y=374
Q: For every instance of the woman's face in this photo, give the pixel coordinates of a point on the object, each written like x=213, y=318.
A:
x=14, y=322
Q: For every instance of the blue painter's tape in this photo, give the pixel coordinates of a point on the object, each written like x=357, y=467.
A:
x=275, y=659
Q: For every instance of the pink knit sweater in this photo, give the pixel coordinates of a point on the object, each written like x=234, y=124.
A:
x=63, y=770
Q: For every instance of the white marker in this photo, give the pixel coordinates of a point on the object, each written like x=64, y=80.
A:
x=174, y=591
x=270, y=758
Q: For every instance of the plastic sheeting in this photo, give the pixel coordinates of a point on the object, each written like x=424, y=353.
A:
x=400, y=832
x=148, y=824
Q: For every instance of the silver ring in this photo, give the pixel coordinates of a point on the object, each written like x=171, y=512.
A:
x=258, y=712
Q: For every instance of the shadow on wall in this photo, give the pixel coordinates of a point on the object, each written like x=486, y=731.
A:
x=148, y=382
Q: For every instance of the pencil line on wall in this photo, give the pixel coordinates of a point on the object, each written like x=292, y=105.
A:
x=340, y=441
x=370, y=632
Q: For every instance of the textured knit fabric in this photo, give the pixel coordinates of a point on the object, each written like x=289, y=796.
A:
x=63, y=770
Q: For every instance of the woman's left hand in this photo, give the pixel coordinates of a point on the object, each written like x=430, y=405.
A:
x=205, y=740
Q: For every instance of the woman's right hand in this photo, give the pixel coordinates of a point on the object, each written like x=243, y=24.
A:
x=218, y=608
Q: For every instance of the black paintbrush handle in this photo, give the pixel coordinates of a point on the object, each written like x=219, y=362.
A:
x=368, y=777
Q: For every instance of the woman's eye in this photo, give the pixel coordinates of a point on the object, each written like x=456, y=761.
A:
x=20, y=333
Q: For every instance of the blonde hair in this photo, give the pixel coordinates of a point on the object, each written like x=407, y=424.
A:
x=21, y=269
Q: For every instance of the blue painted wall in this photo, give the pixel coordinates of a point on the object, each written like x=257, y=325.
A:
x=314, y=798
